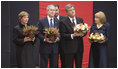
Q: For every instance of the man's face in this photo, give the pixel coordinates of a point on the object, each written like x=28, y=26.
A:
x=51, y=11
x=56, y=11
x=71, y=12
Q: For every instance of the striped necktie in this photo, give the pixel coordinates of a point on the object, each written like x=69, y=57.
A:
x=73, y=22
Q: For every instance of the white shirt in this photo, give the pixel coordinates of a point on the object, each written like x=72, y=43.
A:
x=58, y=17
x=49, y=20
x=74, y=20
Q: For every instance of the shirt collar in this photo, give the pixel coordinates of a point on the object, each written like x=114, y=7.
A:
x=50, y=18
x=58, y=17
x=21, y=25
x=99, y=25
x=72, y=18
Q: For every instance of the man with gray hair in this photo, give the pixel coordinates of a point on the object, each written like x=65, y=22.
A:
x=71, y=42
x=48, y=49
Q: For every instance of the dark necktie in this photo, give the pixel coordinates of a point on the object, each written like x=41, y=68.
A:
x=51, y=25
x=73, y=22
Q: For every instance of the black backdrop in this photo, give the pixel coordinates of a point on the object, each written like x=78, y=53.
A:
x=10, y=10
x=9, y=13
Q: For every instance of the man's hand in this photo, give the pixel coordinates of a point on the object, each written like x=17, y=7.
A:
x=33, y=39
x=77, y=34
x=80, y=34
x=56, y=39
x=74, y=35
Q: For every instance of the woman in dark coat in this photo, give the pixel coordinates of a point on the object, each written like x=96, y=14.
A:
x=98, y=51
x=24, y=45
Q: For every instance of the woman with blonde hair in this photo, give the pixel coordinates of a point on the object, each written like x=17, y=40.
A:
x=98, y=51
x=24, y=45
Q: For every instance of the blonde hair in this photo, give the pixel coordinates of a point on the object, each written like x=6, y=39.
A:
x=101, y=16
x=22, y=14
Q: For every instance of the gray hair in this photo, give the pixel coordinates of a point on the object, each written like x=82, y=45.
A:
x=49, y=7
x=68, y=6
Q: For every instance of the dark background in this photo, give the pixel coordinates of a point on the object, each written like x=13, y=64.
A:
x=9, y=12
x=9, y=19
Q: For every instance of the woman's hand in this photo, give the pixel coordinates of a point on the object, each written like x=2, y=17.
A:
x=26, y=39
x=102, y=41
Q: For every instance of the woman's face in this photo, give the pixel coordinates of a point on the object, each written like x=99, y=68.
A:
x=24, y=20
x=97, y=20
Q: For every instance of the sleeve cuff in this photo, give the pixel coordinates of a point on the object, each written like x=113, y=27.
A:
x=72, y=37
x=44, y=40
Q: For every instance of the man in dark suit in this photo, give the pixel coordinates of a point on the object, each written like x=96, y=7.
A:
x=71, y=42
x=59, y=17
x=48, y=49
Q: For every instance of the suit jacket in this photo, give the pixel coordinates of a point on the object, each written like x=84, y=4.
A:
x=61, y=17
x=44, y=46
x=68, y=44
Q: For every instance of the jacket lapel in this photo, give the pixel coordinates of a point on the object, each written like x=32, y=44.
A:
x=78, y=21
x=46, y=23
x=70, y=24
x=55, y=22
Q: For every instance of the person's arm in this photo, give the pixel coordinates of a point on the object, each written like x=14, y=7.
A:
x=107, y=26
x=41, y=30
x=107, y=32
x=16, y=39
x=63, y=31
